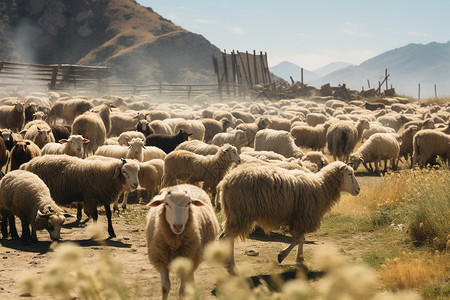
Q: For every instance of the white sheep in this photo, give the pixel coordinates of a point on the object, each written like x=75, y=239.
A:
x=25, y=195
x=187, y=167
x=91, y=126
x=314, y=119
x=121, y=122
x=72, y=146
x=161, y=127
x=133, y=151
x=180, y=223
x=12, y=116
x=91, y=182
x=311, y=137
x=195, y=127
x=317, y=158
x=68, y=110
x=237, y=138
x=127, y=136
x=198, y=147
x=279, y=141
x=376, y=129
x=272, y=197
x=40, y=135
x=252, y=128
x=152, y=152
x=428, y=144
x=380, y=146
x=212, y=127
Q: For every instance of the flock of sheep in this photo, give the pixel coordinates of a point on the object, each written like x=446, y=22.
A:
x=245, y=158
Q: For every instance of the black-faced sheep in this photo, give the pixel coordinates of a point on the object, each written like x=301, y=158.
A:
x=12, y=116
x=380, y=146
x=428, y=144
x=180, y=223
x=279, y=141
x=72, y=146
x=68, y=110
x=22, y=152
x=292, y=199
x=25, y=195
x=144, y=127
x=167, y=143
x=311, y=137
x=252, y=128
x=94, y=183
x=187, y=167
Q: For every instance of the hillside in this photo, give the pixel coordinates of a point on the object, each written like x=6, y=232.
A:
x=137, y=43
x=286, y=69
x=408, y=66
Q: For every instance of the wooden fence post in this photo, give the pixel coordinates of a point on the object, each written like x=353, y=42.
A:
x=254, y=66
x=54, y=76
x=435, y=91
x=419, y=93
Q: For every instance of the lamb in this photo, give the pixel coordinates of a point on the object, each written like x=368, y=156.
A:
x=317, y=158
x=40, y=135
x=237, y=138
x=293, y=199
x=194, y=127
x=278, y=141
x=12, y=116
x=380, y=146
x=25, y=195
x=314, y=119
x=91, y=126
x=182, y=227
x=167, y=143
x=127, y=136
x=343, y=136
x=428, y=144
x=406, y=146
x=213, y=127
x=198, y=147
x=188, y=167
x=68, y=110
x=133, y=151
x=22, y=152
x=92, y=182
x=252, y=128
x=311, y=137
x=72, y=146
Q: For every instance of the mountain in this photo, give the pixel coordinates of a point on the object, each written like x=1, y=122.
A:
x=407, y=67
x=286, y=69
x=332, y=67
x=139, y=45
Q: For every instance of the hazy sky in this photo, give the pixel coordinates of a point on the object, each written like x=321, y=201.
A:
x=311, y=33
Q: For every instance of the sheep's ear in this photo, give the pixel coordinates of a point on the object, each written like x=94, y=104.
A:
x=343, y=168
x=156, y=201
x=197, y=202
x=116, y=172
x=23, y=131
x=63, y=141
x=85, y=141
x=42, y=215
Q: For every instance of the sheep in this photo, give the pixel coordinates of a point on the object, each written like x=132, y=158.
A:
x=133, y=151
x=314, y=119
x=317, y=158
x=198, y=147
x=104, y=112
x=428, y=144
x=152, y=152
x=122, y=122
x=213, y=127
x=61, y=131
x=25, y=195
x=93, y=183
x=12, y=116
x=311, y=137
x=3, y=155
x=267, y=154
x=72, y=146
x=252, y=128
x=167, y=143
x=188, y=167
x=237, y=138
x=68, y=110
x=425, y=124
x=271, y=197
x=30, y=110
x=127, y=136
x=150, y=176
x=10, y=138
x=91, y=126
x=374, y=105
x=343, y=136
x=22, y=152
x=181, y=227
x=40, y=135
x=393, y=121
x=376, y=129
x=278, y=141
x=144, y=127
x=380, y=146
x=194, y=127
x=158, y=115
x=160, y=127
x=406, y=146
x=280, y=124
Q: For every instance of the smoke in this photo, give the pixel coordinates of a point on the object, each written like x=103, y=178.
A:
x=27, y=39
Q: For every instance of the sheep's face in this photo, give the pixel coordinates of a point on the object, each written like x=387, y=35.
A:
x=51, y=220
x=176, y=206
x=355, y=160
x=136, y=145
x=45, y=134
x=75, y=143
x=231, y=153
x=130, y=171
x=349, y=183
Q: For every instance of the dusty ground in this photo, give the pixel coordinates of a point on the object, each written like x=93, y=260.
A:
x=129, y=251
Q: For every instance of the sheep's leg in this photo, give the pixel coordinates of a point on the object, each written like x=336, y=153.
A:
x=116, y=205
x=190, y=278
x=79, y=211
x=34, y=238
x=5, y=218
x=230, y=264
x=26, y=235
x=12, y=226
x=295, y=241
x=125, y=199
x=108, y=215
x=367, y=167
x=165, y=282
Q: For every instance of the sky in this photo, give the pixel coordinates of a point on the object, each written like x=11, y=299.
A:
x=314, y=33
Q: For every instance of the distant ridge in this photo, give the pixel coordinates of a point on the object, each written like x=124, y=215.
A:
x=332, y=67
x=286, y=69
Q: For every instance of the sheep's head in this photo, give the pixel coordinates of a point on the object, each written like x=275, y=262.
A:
x=177, y=204
x=19, y=106
x=349, y=183
x=136, y=145
x=229, y=153
x=45, y=134
x=75, y=143
x=51, y=219
x=129, y=170
x=355, y=160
